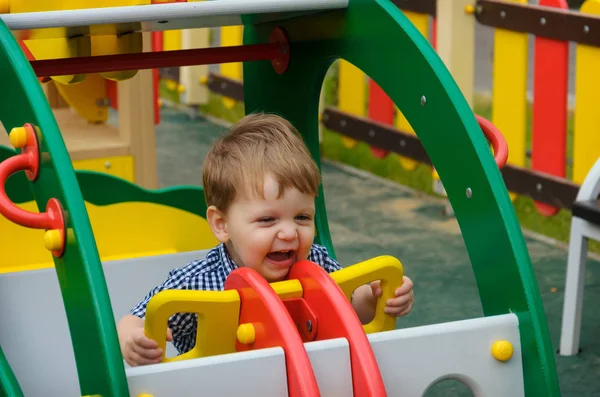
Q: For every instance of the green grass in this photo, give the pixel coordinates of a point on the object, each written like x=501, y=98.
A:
x=556, y=227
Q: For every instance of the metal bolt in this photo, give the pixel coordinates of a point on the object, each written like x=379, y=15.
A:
x=423, y=100
x=342, y=123
x=107, y=165
x=586, y=29
x=371, y=133
x=469, y=192
x=543, y=21
x=538, y=187
x=223, y=85
x=402, y=142
x=102, y=102
x=309, y=325
x=502, y=14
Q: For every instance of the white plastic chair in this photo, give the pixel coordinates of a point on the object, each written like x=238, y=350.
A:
x=585, y=224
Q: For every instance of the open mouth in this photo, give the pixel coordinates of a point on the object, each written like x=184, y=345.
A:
x=281, y=256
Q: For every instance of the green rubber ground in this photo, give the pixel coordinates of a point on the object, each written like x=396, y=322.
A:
x=371, y=217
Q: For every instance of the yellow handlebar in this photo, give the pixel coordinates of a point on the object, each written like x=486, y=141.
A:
x=385, y=268
x=218, y=313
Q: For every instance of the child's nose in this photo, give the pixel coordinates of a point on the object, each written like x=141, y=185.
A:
x=287, y=233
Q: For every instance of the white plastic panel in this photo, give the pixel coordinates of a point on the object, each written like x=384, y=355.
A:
x=34, y=334
x=330, y=360
x=253, y=373
x=168, y=16
x=413, y=359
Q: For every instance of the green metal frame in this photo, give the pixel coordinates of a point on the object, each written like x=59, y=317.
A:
x=9, y=385
x=375, y=36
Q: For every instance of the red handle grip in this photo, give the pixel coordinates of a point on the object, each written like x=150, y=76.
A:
x=29, y=161
x=495, y=137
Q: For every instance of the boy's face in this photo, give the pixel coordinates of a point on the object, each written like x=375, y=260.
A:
x=268, y=234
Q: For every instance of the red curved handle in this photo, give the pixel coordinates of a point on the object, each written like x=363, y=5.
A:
x=29, y=162
x=261, y=305
x=495, y=137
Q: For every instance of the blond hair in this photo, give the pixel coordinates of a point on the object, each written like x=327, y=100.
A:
x=255, y=146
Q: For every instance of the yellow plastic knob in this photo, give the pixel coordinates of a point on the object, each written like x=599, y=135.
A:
x=181, y=88
x=4, y=6
x=246, y=334
x=171, y=85
x=145, y=395
x=203, y=80
x=53, y=240
x=502, y=350
x=18, y=137
x=470, y=9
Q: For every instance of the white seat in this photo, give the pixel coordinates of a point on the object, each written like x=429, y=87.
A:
x=584, y=225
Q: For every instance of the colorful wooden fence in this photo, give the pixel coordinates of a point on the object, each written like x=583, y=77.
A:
x=450, y=27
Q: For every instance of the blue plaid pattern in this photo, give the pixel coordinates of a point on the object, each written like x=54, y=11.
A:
x=209, y=274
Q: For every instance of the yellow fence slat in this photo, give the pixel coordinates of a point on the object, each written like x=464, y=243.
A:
x=586, y=139
x=231, y=36
x=172, y=40
x=509, y=107
x=351, y=94
x=455, y=44
x=421, y=22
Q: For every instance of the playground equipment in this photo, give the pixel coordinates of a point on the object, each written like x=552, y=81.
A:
x=80, y=104
x=66, y=341
x=585, y=224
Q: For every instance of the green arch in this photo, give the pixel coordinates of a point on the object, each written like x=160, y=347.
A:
x=377, y=37
x=85, y=295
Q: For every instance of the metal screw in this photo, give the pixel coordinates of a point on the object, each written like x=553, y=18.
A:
x=538, y=187
x=469, y=192
x=423, y=100
x=402, y=142
x=502, y=14
x=223, y=85
x=107, y=165
x=586, y=29
x=309, y=325
x=102, y=102
x=371, y=133
x=342, y=123
x=543, y=21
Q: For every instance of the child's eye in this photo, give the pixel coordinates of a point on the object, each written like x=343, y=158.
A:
x=266, y=219
x=303, y=218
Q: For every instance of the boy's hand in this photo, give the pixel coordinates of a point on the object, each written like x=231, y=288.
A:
x=402, y=303
x=136, y=347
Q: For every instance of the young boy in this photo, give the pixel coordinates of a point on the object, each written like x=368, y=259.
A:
x=260, y=184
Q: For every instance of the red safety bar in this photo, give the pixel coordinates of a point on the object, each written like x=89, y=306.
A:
x=495, y=137
x=29, y=161
x=260, y=306
x=277, y=51
x=337, y=319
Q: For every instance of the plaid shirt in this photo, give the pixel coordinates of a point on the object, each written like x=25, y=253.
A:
x=209, y=274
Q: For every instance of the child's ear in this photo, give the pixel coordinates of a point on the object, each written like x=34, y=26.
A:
x=216, y=221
